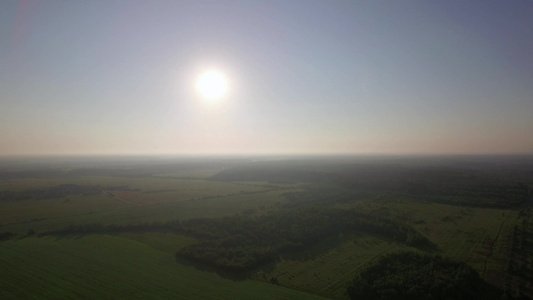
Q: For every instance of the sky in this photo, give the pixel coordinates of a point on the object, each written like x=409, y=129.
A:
x=305, y=77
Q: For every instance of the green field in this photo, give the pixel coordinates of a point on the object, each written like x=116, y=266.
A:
x=481, y=237
x=138, y=266
x=151, y=199
x=141, y=263
x=111, y=267
x=328, y=267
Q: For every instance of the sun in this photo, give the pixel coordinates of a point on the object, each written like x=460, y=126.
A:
x=212, y=85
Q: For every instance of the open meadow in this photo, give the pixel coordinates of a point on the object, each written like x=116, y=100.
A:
x=111, y=267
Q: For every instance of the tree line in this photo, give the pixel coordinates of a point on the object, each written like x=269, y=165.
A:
x=409, y=275
x=241, y=243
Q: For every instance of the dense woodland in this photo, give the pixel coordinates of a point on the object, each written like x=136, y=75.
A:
x=520, y=265
x=414, y=276
x=241, y=243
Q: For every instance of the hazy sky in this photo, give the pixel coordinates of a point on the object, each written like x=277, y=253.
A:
x=395, y=77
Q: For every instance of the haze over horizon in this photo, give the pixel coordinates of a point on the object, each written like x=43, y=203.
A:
x=311, y=77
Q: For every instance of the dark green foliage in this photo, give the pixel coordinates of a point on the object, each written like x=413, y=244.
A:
x=234, y=253
x=241, y=243
x=409, y=275
x=6, y=235
x=520, y=265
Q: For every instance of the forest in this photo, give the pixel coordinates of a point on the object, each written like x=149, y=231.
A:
x=241, y=243
x=408, y=275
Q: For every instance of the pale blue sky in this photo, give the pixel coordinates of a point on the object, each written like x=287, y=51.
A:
x=394, y=77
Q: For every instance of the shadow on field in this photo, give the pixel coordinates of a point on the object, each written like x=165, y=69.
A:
x=266, y=268
x=301, y=254
x=18, y=237
x=322, y=247
x=73, y=236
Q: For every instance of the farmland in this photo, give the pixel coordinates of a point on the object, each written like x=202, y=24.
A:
x=232, y=228
x=144, y=200
x=106, y=267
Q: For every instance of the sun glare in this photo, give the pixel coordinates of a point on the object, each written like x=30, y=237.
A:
x=212, y=85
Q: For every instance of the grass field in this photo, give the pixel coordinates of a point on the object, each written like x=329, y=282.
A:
x=151, y=199
x=111, y=267
x=328, y=267
x=481, y=237
x=16, y=212
x=478, y=236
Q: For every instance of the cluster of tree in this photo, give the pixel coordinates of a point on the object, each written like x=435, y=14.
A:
x=520, y=265
x=408, y=275
x=233, y=254
x=58, y=191
x=6, y=235
x=470, y=192
x=241, y=243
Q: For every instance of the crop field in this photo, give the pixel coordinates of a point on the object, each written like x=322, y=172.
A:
x=147, y=200
x=161, y=212
x=111, y=267
x=478, y=236
x=141, y=188
x=482, y=237
x=327, y=267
